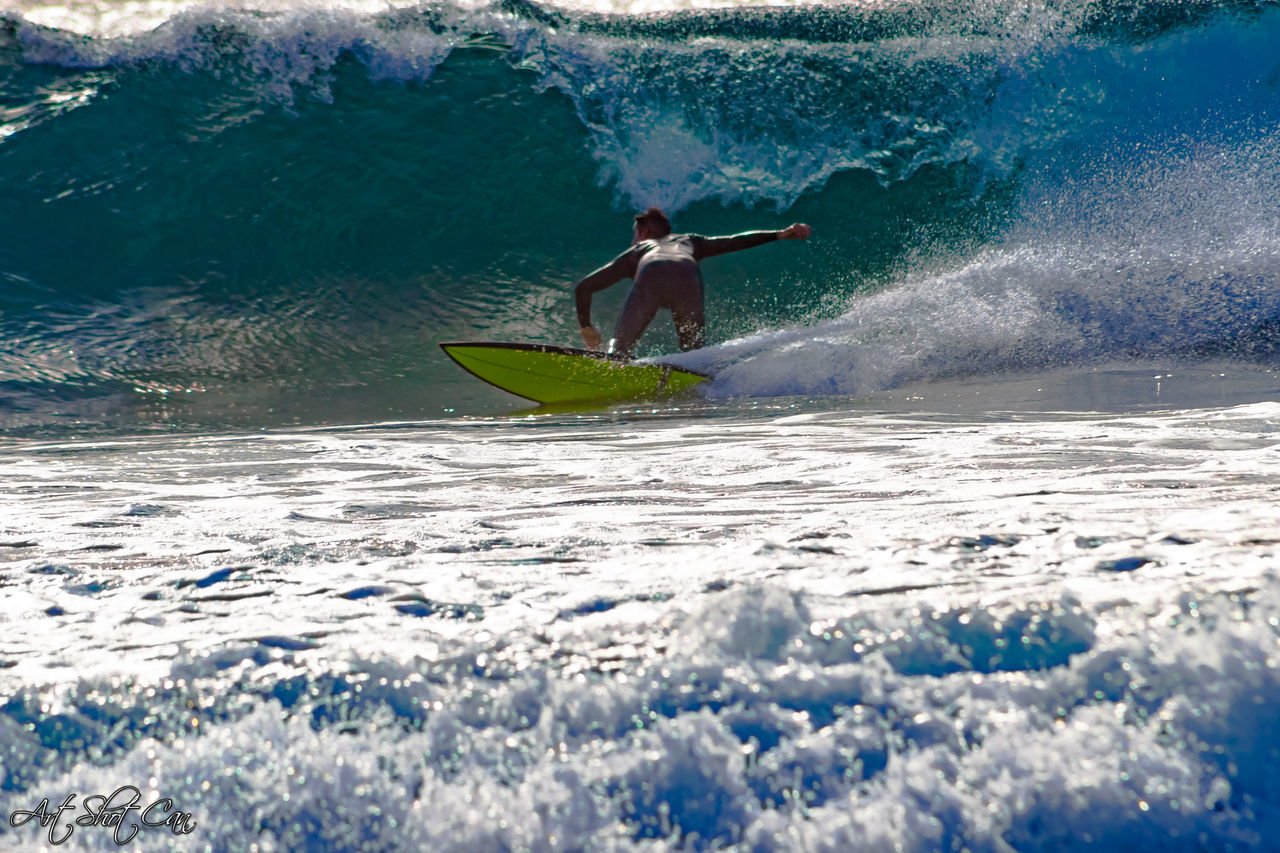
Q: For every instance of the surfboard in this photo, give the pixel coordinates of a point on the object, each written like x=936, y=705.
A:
x=557, y=375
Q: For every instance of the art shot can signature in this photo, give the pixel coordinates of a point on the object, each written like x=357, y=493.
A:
x=122, y=811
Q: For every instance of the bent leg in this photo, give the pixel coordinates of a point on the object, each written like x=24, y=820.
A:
x=691, y=319
x=637, y=314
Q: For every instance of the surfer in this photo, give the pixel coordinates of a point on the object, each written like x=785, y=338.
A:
x=665, y=269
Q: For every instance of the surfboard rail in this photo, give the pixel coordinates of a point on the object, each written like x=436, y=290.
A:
x=552, y=374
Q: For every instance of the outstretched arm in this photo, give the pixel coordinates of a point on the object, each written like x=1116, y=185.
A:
x=709, y=247
x=621, y=267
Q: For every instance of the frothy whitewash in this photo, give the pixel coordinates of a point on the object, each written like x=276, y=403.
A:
x=777, y=629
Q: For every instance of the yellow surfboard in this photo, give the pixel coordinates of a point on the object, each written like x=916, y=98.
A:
x=556, y=375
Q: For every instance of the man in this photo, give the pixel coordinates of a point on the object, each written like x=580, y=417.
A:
x=666, y=273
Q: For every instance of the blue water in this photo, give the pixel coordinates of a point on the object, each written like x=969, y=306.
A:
x=969, y=545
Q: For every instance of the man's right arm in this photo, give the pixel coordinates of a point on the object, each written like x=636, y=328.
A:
x=623, y=266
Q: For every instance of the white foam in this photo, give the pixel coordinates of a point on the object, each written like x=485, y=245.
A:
x=1160, y=732
x=280, y=55
x=824, y=629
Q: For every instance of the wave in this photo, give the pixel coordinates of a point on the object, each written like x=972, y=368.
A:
x=307, y=196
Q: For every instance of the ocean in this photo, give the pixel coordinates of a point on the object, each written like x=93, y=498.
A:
x=971, y=543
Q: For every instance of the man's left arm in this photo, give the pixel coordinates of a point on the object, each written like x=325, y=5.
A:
x=709, y=247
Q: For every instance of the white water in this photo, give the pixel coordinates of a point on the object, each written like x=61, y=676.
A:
x=777, y=626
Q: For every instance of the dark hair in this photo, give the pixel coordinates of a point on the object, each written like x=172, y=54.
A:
x=654, y=221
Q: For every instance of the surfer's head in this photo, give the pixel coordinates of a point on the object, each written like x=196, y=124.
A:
x=652, y=224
